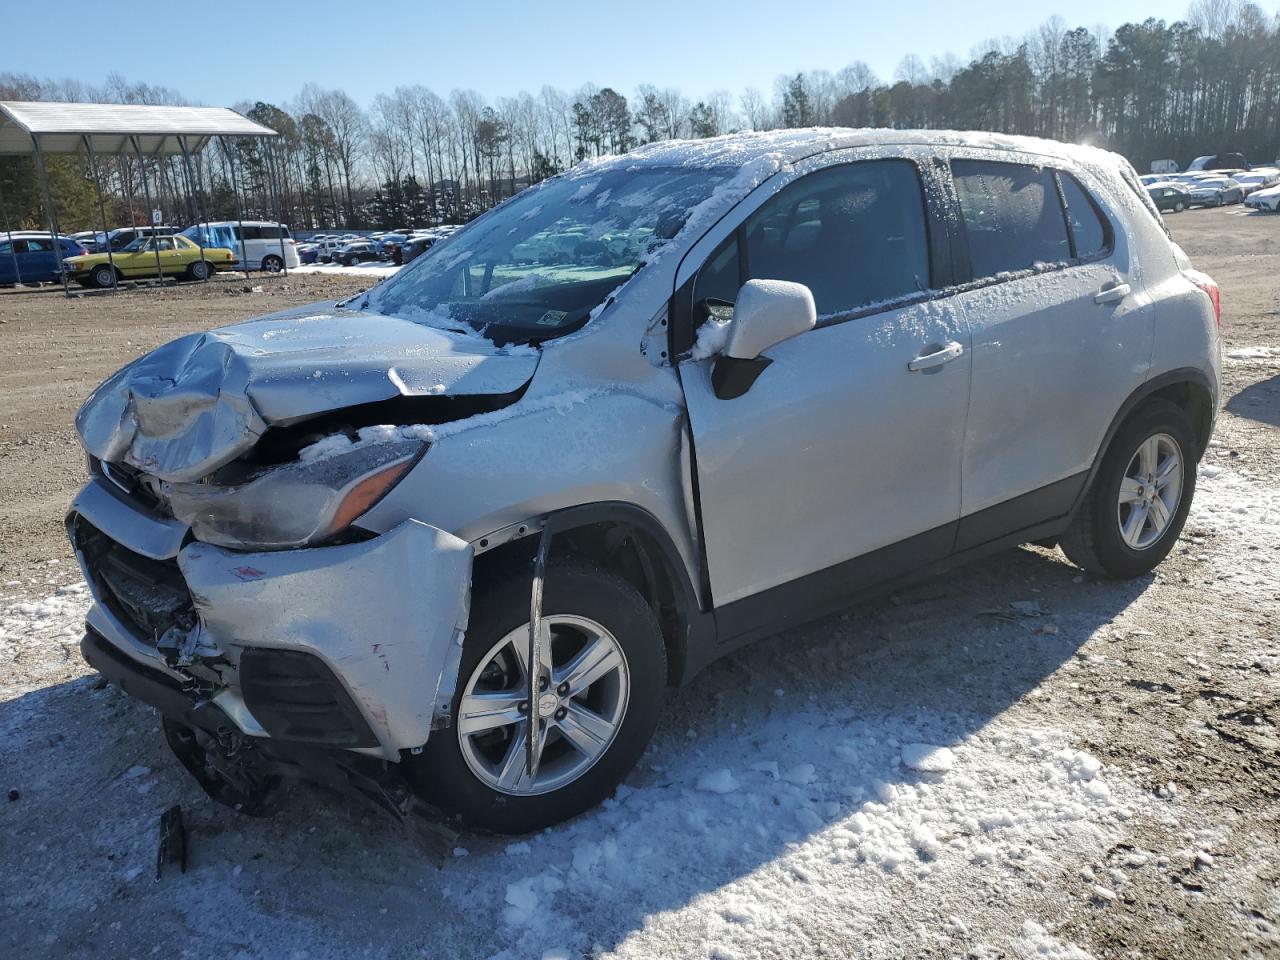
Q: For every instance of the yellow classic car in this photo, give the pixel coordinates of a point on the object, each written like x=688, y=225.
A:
x=176, y=256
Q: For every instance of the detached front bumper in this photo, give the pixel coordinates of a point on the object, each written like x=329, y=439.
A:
x=354, y=645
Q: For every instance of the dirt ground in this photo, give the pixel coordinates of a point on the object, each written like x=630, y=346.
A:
x=1172, y=682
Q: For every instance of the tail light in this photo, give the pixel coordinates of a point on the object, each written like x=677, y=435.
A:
x=1205, y=283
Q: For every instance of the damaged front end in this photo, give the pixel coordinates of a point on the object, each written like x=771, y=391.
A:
x=234, y=588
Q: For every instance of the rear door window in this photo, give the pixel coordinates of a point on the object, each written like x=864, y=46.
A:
x=1013, y=219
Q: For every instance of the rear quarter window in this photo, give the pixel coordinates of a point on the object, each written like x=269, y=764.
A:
x=1090, y=232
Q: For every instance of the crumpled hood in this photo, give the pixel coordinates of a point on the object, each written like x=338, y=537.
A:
x=191, y=406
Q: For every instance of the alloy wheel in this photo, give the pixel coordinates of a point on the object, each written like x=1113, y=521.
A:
x=1150, y=491
x=581, y=708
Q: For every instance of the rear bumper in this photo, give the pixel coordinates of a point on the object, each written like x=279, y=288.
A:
x=366, y=637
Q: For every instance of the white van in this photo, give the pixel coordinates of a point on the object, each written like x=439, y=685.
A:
x=265, y=245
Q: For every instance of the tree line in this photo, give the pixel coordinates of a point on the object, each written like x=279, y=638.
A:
x=1149, y=90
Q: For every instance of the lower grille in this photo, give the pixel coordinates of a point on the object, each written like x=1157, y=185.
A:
x=295, y=696
x=149, y=596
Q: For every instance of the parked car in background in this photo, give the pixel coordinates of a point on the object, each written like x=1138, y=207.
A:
x=433, y=538
x=264, y=245
x=357, y=251
x=415, y=247
x=174, y=256
x=1256, y=180
x=329, y=245
x=1267, y=199
x=1170, y=196
x=89, y=239
x=1219, y=161
x=121, y=237
x=1215, y=192
x=31, y=257
x=307, y=252
x=1164, y=166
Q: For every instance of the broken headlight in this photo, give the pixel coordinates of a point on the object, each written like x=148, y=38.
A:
x=294, y=504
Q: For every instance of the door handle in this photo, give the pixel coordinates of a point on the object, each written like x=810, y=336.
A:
x=937, y=357
x=1112, y=293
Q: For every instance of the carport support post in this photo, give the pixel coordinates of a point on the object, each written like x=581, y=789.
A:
x=235, y=192
x=48, y=209
x=102, y=207
x=146, y=192
x=17, y=271
x=275, y=204
x=195, y=200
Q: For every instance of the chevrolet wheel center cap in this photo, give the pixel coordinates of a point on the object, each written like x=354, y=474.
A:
x=547, y=704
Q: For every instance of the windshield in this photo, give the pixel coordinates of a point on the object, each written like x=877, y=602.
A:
x=535, y=267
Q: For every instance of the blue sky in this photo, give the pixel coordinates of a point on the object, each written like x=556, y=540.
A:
x=231, y=50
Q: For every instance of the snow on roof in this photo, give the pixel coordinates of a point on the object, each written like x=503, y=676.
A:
x=61, y=126
x=789, y=146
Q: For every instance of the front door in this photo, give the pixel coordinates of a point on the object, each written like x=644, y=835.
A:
x=839, y=449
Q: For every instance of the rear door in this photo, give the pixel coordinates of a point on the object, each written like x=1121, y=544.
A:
x=839, y=466
x=1062, y=334
x=41, y=261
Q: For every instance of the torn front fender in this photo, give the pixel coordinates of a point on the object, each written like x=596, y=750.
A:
x=387, y=615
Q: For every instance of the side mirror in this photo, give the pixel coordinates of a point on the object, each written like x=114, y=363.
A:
x=766, y=313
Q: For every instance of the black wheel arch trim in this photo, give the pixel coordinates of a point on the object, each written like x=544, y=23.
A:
x=1145, y=391
x=699, y=629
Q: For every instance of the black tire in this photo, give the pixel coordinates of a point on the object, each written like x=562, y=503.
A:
x=272, y=264
x=440, y=774
x=104, y=277
x=1094, y=541
x=1179, y=207
x=350, y=261
x=198, y=270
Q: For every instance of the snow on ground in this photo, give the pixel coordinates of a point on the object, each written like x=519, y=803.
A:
x=369, y=268
x=886, y=788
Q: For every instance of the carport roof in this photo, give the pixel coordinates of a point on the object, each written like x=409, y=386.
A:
x=61, y=126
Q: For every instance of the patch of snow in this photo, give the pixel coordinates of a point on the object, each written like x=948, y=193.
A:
x=927, y=758
x=1253, y=353
x=712, y=337
x=368, y=268
x=1036, y=943
x=718, y=781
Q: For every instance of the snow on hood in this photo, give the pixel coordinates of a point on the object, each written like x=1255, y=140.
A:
x=194, y=404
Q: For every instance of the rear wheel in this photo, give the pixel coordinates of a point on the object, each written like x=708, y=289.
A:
x=606, y=669
x=104, y=276
x=272, y=264
x=198, y=270
x=1138, y=502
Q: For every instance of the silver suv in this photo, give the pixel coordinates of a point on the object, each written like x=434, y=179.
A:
x=449, y=541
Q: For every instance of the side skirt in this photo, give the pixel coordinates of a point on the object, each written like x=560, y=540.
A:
x=818, y=595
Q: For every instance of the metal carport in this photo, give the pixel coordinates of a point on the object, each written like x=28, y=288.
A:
x=40, y=127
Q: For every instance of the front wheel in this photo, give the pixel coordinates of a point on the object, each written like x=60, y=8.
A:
x=272, y=264
x=1135, y=508
x=1179, y=207
x=604, y=669
x=104, y=277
